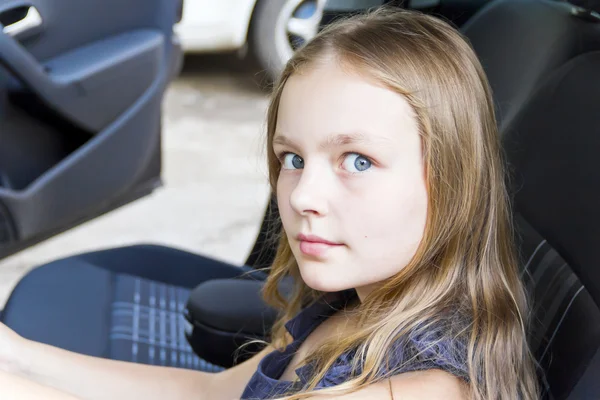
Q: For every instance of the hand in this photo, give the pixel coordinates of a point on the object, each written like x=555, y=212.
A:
x=12, y=349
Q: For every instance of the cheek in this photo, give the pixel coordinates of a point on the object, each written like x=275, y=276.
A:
x=390, y=220
x=284, y=190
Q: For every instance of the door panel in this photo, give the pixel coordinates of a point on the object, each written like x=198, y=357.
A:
x=80, y=109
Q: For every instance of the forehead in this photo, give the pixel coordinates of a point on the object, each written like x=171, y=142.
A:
x=328, y=100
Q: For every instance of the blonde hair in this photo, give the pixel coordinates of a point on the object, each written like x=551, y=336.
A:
x=466, y=261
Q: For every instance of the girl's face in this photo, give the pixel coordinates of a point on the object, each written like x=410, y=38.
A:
x=351, y=191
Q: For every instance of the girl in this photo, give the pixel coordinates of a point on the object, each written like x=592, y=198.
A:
x=384, y=154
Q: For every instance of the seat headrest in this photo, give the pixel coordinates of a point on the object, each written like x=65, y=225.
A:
x=537, y=36
x=591, y=5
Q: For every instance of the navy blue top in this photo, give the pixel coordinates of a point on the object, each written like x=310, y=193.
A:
x=418, y=352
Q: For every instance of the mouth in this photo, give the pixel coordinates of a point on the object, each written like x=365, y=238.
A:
x=315, y=246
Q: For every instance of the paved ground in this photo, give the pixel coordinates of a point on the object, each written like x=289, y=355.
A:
x=215, y=177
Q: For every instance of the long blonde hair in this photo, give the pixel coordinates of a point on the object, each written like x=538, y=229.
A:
x=466, y=260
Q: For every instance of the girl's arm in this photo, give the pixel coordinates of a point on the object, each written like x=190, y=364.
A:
x=96, y=378
x=13, y=387
x=29, y=368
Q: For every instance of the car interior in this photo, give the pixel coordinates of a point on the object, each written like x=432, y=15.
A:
x=160, y=305
x=70, y=149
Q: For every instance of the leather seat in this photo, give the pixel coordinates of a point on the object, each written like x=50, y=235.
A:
x=552, y=148
x=519, y=42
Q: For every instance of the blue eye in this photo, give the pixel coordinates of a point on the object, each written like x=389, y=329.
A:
x=354, y=162
x=292, y=161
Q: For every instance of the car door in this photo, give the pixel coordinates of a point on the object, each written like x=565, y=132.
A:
x=81, y=86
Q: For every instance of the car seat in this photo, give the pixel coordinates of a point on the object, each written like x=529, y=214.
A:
x=552, y=147
x=520, y=41
x=123, y=303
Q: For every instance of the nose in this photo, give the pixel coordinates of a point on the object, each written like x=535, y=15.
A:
x=309, y=197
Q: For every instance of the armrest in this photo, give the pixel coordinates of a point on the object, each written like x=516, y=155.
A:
x=231, y=305
x=226, y=313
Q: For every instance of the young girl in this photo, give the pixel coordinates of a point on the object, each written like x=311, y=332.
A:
x=384, y=154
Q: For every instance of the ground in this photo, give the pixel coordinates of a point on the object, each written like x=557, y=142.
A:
x=214, y=173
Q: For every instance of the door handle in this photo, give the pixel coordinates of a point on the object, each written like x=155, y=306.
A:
x=32, y=20
x=34, y=76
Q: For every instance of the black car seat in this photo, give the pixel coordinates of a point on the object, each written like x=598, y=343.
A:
x=109, y=303
x=552, y=147
x=123, y=303
x=520, y=41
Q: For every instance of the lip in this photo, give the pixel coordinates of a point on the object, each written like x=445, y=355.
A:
x=315, y=246
x=315, y=239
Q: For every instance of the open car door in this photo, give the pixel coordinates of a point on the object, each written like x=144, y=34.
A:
x=81, y=87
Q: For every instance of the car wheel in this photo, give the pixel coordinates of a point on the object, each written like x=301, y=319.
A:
x=280, y=27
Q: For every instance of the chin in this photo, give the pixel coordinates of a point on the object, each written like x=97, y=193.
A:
x=320, y=277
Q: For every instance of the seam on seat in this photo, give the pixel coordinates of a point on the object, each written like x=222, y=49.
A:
x=148, y=326
x=539, y=246
x=561, y=321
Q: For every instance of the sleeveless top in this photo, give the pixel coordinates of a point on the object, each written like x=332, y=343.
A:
x=418, y=352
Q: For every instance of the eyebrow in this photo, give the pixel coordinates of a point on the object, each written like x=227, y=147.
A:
x=333, y=140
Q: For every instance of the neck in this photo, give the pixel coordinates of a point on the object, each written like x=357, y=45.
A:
x=364, y=291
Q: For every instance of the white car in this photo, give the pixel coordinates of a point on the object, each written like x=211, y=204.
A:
x=270, y=29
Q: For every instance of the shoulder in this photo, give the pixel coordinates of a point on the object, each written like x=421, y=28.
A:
x=442, y=345
x=420, y=385
x=439, y=349
x=431, y=384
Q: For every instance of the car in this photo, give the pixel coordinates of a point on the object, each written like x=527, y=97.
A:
x=71, y=150
x=269, y=29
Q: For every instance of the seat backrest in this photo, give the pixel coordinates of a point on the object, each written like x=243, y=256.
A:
x=553, y=149
x=520, y=41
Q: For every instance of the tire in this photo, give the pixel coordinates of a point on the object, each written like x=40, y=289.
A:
x=270, y=41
